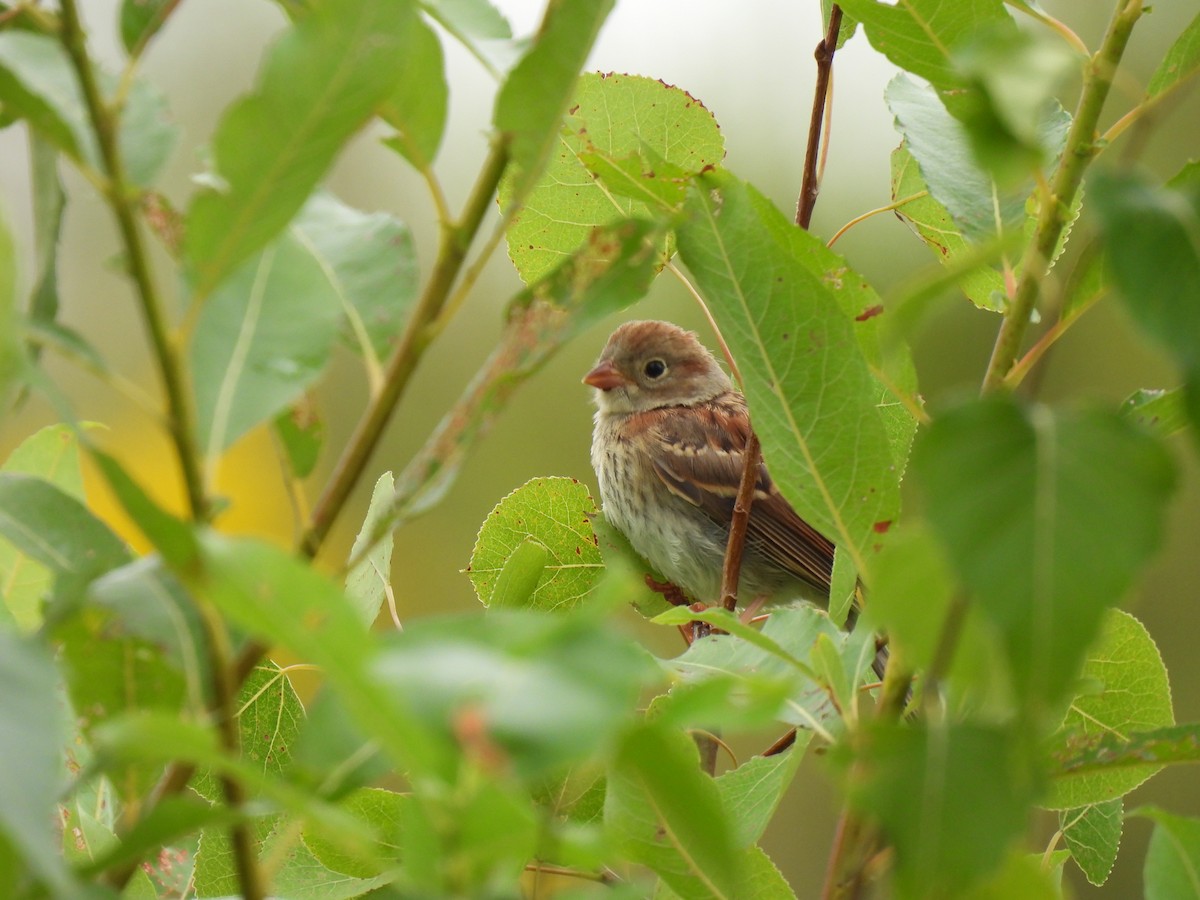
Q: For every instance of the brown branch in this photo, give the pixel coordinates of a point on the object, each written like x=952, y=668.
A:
x=804, y=209
x=810, y=186
x=739, y=523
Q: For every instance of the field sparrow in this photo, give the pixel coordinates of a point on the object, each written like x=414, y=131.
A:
x=670, y=430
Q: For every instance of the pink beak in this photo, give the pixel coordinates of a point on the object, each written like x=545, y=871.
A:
x=605, y=376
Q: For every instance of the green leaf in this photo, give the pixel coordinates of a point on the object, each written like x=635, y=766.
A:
x=277, y=597
x=417, y=108
x=147, y=602
x=848, y=27
x=57, y=531
x=1010, y=112
x=811, y=394
x=156, y=738
x=949, y=826
x=1154, y=258
x=1047, y=517
x=53, y=455
x=518, y=579
x=368, y=582
x=370, y=261
x=321, y=82
x=1093, y=835
x=543, y=690
x=614, y=121
x=920, y=35
x=31, y=742
x=1153, y=253
x=379, y=810
x=983, y=285
x=1181, y=61
x=498, y=834
x=49, y=202
x=553, y=514
x=169, y=822
x=763, y=880
x=1127, y=692
x=38, y=83
x=1173, y=857
x=536, y=92
x=942, y=147
x=331, y=752
x=302, y=877
x=1161, y=412
x=301, y=431
x=147, y=134
x=751, y=792
x=12, y=354
x=110, y=670
x=663, y=812
x=611, y=271
x=790, y=635
x=478, y=26
x=261, y=339
x=1108, y=754
x=1025, y=875
x=171, y=536
x=910, y=602
x=140, y=20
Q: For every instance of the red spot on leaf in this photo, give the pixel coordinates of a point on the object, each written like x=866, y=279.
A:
x=882, y=527
x=869, y=313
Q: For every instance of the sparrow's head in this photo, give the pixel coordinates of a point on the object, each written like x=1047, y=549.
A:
x=647, y=365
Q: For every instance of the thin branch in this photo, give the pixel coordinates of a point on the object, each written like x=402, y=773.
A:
x=1081, y=146
x=451, y=255
x=740, y=522
x=811, y=186
x=122, y=201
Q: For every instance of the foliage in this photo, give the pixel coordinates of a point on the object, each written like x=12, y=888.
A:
x=153, y=748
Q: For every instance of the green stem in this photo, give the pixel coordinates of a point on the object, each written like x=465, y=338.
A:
x=225, y=689
x=1081, y=146
x=452, y=252
x=118, y=195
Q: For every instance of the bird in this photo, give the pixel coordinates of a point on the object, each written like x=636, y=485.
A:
x=668, y=446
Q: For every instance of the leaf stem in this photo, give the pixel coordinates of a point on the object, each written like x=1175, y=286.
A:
x=119, y=197
x=1081, y=146
x=452, y=252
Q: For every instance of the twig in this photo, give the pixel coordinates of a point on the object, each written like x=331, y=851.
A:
x=811, y=186
x=740, y=522
x=120, y=199
x=1081, y=145
x=451, y=254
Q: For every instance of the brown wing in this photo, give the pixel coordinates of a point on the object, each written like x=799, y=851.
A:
x=701, y=461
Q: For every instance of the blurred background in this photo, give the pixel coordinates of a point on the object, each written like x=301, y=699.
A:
x=751, y=64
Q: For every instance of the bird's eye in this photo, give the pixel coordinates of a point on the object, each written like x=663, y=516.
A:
x=655, y=368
